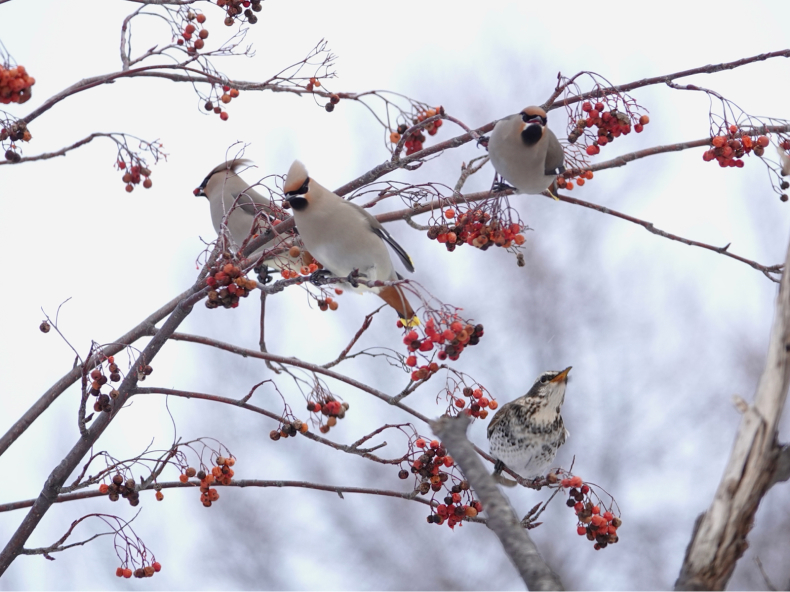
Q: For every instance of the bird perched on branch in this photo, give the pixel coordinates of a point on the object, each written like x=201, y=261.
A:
x=344, y=237
x=525, y=152
x=224, y=189
x=784, y=159
x=526, y=433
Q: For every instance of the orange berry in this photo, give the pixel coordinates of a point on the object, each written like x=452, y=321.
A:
x=223, y=116
x=644, y=120
x=493, y=405
x=394, y=137
x=718, y=141
x=596, y=510
x=127, y=573
x=104, y=488
x=159, y=496
x=294, y=251
x=569, y=185
x=588, y=175
x=483, y=413
x=580, y=181
x=183, y=478
x=449, y=213
x=119, y=572
x=420, y=443
x=763, y=141
x=234, y=92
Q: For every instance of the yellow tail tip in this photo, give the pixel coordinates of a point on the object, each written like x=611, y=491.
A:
x=412, y=322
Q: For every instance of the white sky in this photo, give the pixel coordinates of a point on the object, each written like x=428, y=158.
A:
x=660, y=334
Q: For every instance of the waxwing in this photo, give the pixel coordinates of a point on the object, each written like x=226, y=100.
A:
x=343, y=237
x=223, y=187
x=525, y=152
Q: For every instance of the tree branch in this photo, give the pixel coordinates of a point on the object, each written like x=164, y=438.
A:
x=719, y=537
x=518, y=545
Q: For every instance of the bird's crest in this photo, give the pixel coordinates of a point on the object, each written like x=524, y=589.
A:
x=296, y=180
x=229, y=165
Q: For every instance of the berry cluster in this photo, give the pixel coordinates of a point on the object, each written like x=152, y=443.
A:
x=228, y=94
x=330, y=407
x=730, y=147
x=222, y=473
x=416, y=139
x=121, y=489
x=15, y=85
x=99, y=379
x=289, y=428
x=334, y=99
x=477, y=228
x=610, y=124
x=227, y=286
x=134, y=174
x=16, y=131
x=141, y=572
x=199, y=33
x=596, y=526
x=450, y=334
x=477, y=402
x=235, y=8
x=567, y=183
x=431, y=464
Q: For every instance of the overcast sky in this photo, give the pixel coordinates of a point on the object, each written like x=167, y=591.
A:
x=660, y=335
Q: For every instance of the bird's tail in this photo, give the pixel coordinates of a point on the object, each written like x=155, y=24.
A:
x=502, y=480
x=394, y=296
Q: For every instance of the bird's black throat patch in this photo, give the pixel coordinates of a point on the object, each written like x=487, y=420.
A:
x=298, y=203
x=531, y=134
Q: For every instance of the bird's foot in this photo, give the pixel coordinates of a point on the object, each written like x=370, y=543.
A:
x=262, y=271
x=482, y=141
x=351, y=278
x=498, y=466
x=500, y=186
x=318, y=276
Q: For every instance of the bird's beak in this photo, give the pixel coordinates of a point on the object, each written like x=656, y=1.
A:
x=562, y=375
x=198, y=191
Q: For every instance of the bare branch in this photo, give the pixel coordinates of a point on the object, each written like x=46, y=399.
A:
x=518, y=545
x=719, y=537
x=552, y=103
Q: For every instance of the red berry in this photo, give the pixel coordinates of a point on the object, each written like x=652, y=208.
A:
x=763, y=141
x=223, y=115
x=411, y=361
x=420, y=443
x=592, y=150
x=581, y=530
x=607, y=516
x=157, y=566
x=586, y=106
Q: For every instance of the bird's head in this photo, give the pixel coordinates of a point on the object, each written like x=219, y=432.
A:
x=297, y=187
x=549, y=388
x=230, y=167
x=533, y=122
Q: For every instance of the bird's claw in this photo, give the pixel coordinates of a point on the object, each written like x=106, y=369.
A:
x=482, y=141
x=262, y=271
x=500, y=186
x=351, y=278
x=498, y=466
x=319, y=275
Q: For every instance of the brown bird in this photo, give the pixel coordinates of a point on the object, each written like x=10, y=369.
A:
x=526, y=433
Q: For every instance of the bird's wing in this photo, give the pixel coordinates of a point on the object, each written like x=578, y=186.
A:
x=381, y=232
x=498, y=417
x=555, y=157
x=250, y=201
x=785, y=160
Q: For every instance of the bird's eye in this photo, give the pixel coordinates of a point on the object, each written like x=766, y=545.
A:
x=545, y=378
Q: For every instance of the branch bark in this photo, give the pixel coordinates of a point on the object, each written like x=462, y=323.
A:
x=719, y=537
x=71, y=460
x=518, y=545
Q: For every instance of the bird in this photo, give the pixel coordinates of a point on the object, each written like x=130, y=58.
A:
x=344, y=237
x=525, y=152
x=526, y=433
x=224, y=188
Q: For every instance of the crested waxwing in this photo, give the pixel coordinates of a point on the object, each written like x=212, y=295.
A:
x=525, y=152
x=223, y=187
x=345, y=237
